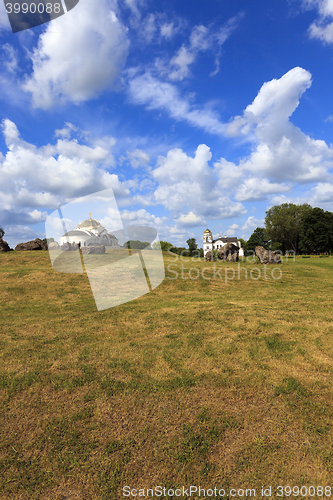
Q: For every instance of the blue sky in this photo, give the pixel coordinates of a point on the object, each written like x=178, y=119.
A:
x=195, y=112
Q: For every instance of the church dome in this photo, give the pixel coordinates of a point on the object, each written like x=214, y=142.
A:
x=90, y=224
x=207, y=230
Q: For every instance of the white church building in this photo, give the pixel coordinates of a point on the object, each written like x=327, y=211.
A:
x=209, y=244
x=90, y=232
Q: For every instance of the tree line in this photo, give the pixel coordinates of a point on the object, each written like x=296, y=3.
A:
x=299, y=229
x=191, y=251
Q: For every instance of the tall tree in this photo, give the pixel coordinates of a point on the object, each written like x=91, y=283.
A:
x=283, y=224
x=192, y=245
x=257, y=238
x=317, y=232
x=164, y=245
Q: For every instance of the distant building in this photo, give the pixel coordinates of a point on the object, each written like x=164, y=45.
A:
x=90, y=232
x=209, y=244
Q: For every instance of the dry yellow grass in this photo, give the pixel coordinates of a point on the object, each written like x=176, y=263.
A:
x=200, y=382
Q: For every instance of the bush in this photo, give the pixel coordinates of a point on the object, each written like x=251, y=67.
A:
x=136, y=244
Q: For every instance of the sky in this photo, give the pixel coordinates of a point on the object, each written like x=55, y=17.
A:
x=195, y=113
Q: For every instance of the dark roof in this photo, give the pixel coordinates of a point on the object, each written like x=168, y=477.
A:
x=232, y=239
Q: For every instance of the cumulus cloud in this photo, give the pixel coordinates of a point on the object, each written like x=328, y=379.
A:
x=45, y=177
x=274, y=104
x=321, y=195
x=256, y=189
x=187, y=184
x=190, y=220
x=78, y=56
x=142, y=217
x=281, y=153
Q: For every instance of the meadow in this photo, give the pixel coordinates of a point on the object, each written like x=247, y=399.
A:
x=207, y=382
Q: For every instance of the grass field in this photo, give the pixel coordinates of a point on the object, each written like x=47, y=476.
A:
x=200, y=382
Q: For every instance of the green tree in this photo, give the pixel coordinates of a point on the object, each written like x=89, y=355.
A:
x=181, y=251
x=257, y=238
x=283, y=224
x=317, y=232
x=165, y=245
x=192, y=245
x=2, y=232
x=136, y=244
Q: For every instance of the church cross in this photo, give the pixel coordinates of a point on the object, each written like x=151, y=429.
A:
x=89, y=215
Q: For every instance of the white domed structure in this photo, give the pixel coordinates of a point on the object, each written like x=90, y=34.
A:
x=90, y=232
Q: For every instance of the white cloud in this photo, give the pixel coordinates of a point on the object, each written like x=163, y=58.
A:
x=66, y=132
x=256, y=189
x=190, y=220
x=230, y=175
x=187, y=184
x=34, y=177
x=138, y=158
x=201, y=40
x=142, y=217
x=11, y=58
x=322, y=196
x=274, y=104
x=321, y=28
x=4, y=21
x=167, y=30
x=133, y=5
x=232, y=230
x=181, y=61
x=149, y=91
x=281, y=151
x=38, y=216
x=252, y=223
x=148, y=28
x=78, y=56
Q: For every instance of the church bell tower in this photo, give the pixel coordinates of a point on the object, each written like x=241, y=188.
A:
x=207, y=241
